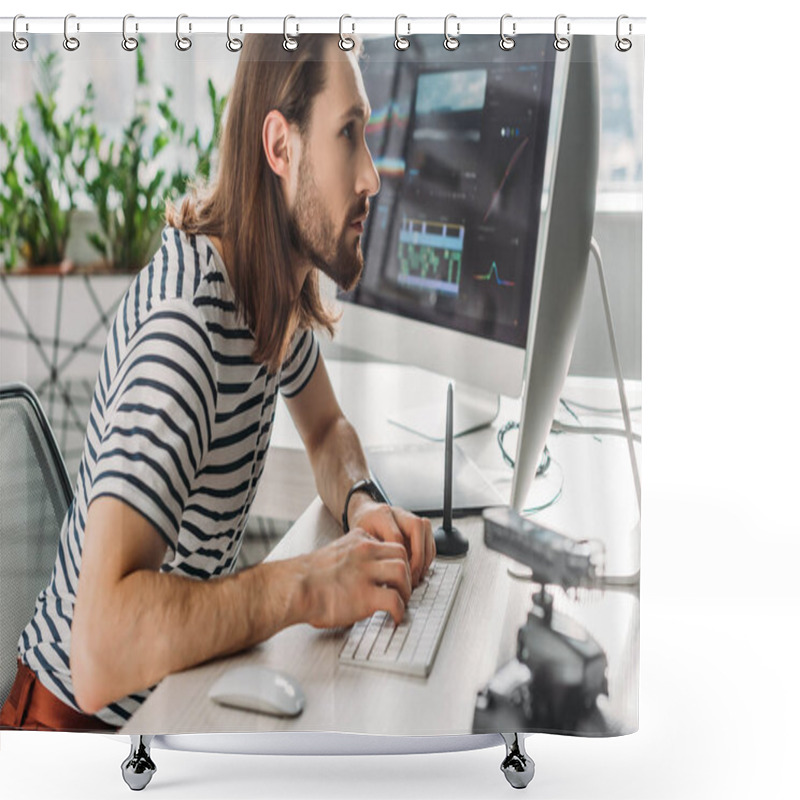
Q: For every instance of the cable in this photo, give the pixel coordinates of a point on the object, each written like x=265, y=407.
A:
x=501, y=434
x=544, y=464
x=569, y=410
x=554, y=499
x=596, y=409
x=561, y=427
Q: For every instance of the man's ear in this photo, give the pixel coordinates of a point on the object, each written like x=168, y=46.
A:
x=276, y=141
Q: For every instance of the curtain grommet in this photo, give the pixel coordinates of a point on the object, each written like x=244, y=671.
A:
x=451, y=42
x=19, y=43
x=400, y=42
x=183, y=43
x=561, y=43
x=129, y=43
x=234, y=44
x=346, y=43
x=289, y=42
x=507, y=42
x=71, y=43
x=623, y=44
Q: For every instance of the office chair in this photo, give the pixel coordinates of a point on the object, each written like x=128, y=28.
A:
x=36, y=493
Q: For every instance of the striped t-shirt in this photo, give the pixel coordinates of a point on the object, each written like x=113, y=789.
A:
x=179, y=428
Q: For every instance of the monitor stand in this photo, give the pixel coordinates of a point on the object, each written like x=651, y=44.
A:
x=473, y=409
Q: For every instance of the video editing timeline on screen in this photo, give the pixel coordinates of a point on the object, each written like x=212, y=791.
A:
x=458, y=145
x=430, y=255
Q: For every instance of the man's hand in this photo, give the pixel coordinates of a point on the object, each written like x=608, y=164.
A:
x=338, y=460
x=352, y=578
x=393, y=524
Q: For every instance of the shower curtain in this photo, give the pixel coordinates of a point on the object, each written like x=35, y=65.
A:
x=209, y=244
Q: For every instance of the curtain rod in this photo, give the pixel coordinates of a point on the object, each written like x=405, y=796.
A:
x=406, y=26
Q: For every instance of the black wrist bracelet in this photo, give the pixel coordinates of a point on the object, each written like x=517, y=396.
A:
x=363, y=485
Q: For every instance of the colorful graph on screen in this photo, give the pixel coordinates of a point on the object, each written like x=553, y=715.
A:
x=430, y=254
x=493, y=274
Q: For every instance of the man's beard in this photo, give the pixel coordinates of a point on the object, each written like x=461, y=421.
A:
x=312, y=235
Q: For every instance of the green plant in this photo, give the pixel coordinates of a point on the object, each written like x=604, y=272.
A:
x=127, y=190
x=44, y=160
x=130, y=191
x=45, y=164
x=12, y=198
x=204, y=151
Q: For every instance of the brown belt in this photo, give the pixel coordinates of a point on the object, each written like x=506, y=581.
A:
x=31, y=707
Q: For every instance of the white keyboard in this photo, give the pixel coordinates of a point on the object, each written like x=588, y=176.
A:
x=411, y=646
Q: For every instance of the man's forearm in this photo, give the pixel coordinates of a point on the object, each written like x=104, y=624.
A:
x=154, y=624
x=338, y=462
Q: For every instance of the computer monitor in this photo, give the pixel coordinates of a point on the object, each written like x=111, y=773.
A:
x=477, y=244
x=460, y=142
x=562, y=256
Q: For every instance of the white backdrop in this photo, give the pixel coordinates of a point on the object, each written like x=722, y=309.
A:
x=720, y=602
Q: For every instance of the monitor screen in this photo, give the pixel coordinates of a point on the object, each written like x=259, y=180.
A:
x=459, y=140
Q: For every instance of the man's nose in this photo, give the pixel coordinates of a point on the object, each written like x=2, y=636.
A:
x=369, y=181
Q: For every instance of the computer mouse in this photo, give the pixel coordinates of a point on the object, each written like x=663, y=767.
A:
x=259, y=688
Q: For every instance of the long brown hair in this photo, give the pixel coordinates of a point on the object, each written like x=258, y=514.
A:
x=245, y=206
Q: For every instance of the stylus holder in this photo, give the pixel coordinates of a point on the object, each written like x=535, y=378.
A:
x=450, y=541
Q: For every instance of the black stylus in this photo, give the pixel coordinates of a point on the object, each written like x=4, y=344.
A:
x=449, y=540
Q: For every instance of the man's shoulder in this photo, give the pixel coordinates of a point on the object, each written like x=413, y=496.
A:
x=162, y=298
x=185, y=292
x=178, y=266
x=183, y=272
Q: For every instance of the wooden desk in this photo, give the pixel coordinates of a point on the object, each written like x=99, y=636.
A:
x=353, y=699
x=480, y=636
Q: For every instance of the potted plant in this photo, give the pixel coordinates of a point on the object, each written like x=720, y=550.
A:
x=45, y=157
x=130, y=186
x=52, y=335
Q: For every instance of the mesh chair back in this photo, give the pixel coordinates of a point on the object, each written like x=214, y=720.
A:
x=35, y=494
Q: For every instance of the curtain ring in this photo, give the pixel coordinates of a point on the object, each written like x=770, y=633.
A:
x=451, y=42
x=18, y=42
x=507, y=42
x=233, y=44
x=129, y=43
x=345, y=42
x=70, y=42
x=623, y=45
x=183, y=43
x=289, y=43
x=561, y=43
x=400, y=42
